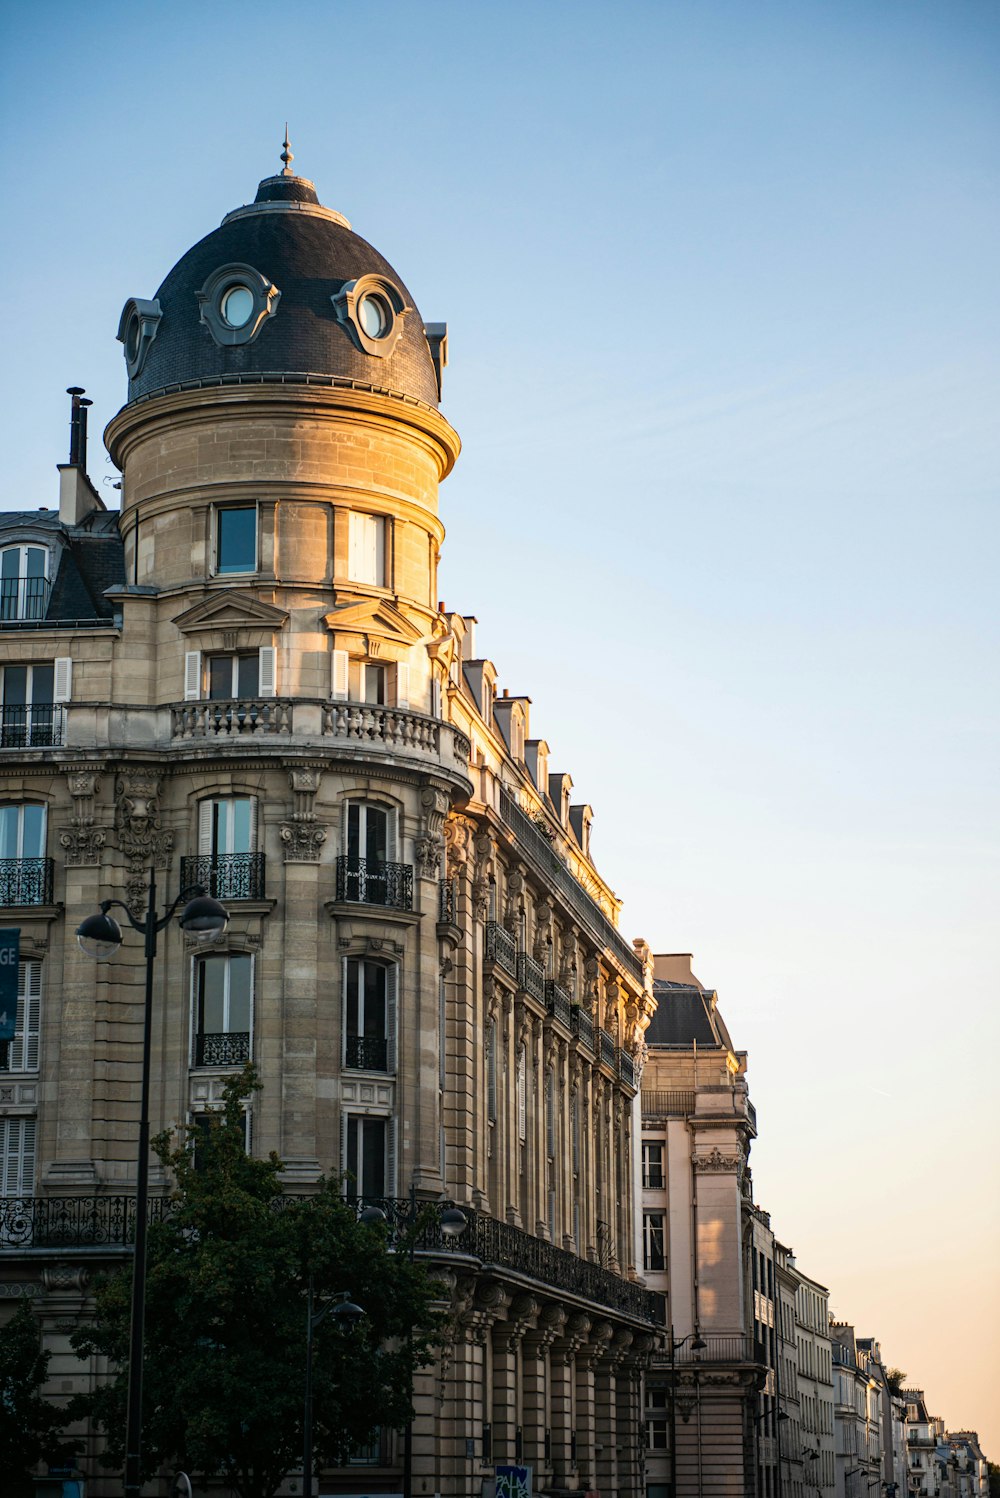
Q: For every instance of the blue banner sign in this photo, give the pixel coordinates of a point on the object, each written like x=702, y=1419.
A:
x=513, y=1482
x=10, y=942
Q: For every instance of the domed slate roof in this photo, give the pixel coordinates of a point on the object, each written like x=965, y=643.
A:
x=302, y=256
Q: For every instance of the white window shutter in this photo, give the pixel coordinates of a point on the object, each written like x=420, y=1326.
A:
x=17, y=1162
x=522, y=1095
x=402, y=684
x=29, y=1003
x=343, y=1147
x=62, y=689
x=355, y=561
x=206, y=828
x=390, y=1157
x=378, y=551
x=192, y=675
x=253, y=825
x=267, y=671
x=338, y=676
x=435, y=697
x=391, y=992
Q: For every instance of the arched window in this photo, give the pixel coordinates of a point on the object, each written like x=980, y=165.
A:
x=223, y=1009
x=370, y=1014
x=25, y=872
x=228, y=865
x=24, y=582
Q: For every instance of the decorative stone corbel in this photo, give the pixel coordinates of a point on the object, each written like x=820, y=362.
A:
x=429, y=845
x=140, y=835
x=82, y=841
x=543, y=933
x=482, y=864
x=513, y=901
x=303, y=837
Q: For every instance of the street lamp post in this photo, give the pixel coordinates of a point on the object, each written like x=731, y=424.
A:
x=348, y=1315
x=100, y=936
x=698, y=1344
x=453, y=1223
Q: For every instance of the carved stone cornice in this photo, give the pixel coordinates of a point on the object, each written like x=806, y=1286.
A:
x=716, y=1162
x=302, y=841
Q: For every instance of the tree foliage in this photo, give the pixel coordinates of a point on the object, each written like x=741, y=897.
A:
x=29, y=1423
x=896, y=1379
x=228, y=1273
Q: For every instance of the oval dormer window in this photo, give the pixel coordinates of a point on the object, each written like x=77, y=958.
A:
x=236, y=301
x=238, y=306
x=374, y=316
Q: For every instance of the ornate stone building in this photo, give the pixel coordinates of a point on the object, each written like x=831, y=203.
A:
x=245, y=680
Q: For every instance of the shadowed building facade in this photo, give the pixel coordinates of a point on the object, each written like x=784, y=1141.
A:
x=245, y=680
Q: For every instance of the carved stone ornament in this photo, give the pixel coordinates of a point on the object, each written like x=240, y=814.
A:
x=140, y=836
x=457, y=833
x=82, y=841
x=513, y=902
x=304, y=782
x=428, y=850
x=302, y=841
x=715, y=1160
x=483, y=860
x=65, y=1277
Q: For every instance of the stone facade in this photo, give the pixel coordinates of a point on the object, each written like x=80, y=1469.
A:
x=276, y=707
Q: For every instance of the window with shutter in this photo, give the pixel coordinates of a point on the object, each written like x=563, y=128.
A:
x=62, y=689
x=522, y=1095
x=402, y=684
x=192, y=675
x=366, y=549
x=21, y=1053
x=267, y=668
x=491, y=1071
x=339, y=686
x=17, y=1157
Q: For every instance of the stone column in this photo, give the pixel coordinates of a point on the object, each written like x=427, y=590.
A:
x=629, y=1426
x=562, y=1371
x=504, y=1339
x=534, y=1403
x=586, y=1402
x=426, y=1434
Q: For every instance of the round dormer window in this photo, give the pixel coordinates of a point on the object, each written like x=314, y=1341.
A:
x=373, y=315
x=238, y=306
x=132, y=333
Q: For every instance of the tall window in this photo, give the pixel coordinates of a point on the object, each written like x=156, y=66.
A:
x=24, y=872
x=32, y=718
x=366, y=549
x=223, y=1009
x=656, y=1420
x=491, y=1071
x=366, y=1159
x=21, y=1053
x=24, y=586
x=374, y=684
x=522, y=1094
x=652, y=1164
x=233, y=676
x=236, y=539
x=228, y=864
x=369, y=1015
x=653, y=1249
x=370, y=839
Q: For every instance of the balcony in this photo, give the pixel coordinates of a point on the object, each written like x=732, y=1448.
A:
x=448, y=902
x=25, y=881
x=500, y=1245
x=73, y=1221
x=229, y=1049
x=394, y=729
x=626, y=1068
x=583, y=904
x=233, y=718
x=558, y=1002
x=531, y=976
x=24, y=599
x=608, y=1050
x=720, y=1349
x=39, y=725
x=366, y=1053
x=226, y=876
x=583, y=1027
x=667, y=1104
x=501, y=947
x=362, y=881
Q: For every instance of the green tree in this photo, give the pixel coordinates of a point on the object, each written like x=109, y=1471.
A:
x=993, y=1473
x=224, y=1373
x=895, y=1378
x=29, y=1423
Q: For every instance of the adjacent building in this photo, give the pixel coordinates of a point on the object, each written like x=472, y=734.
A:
x=815, y=1385
x=245, y=680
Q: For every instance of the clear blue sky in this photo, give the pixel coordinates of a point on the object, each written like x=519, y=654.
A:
x=721, y=281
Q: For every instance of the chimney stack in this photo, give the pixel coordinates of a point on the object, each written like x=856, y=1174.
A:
x=77, y=496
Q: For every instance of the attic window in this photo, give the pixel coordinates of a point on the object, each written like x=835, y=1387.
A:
x=371, y=311
x=236, y=302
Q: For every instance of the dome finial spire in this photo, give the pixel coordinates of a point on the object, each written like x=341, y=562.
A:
x=286, y=156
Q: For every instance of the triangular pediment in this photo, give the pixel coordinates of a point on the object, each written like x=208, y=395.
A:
x=373, y=616
x=230, y=609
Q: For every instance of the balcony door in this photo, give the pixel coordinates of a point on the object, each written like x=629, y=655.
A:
x=224, y=1005
x=23, y=582
x=371, y=846
x=28, y=706
x=369, y=1015
x=227, y=842
x=22, y=855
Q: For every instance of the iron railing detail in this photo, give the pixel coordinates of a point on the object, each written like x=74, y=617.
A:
x=558, y=1002
x=39, y=725
x=230, y=718
x=366, y=1053
x=531, y=975
x=608, y=1050
x=667, y=1104
x=25, y=881
x=364, y=881
x=582, y=902
x=626, y=1068
x=448, y=902
x=73, y=1221
x=499, y=1245
x=225, y=876
x=501, y=947
x=736, y=1348
x=583, y=1026
x=230, y=1049
x=24, y=597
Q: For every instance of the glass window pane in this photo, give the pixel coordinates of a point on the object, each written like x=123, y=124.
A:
x=9, y=826
x=10, y=562
x=42, y=680
x=248, y=676
x=374, y=1001
x=33, y=837
x=239, y=993
x=373, y=1158
x=15, y=686
x=352, y=997
x=237, y=541
x=212, y=995
x=354, y=830
x=36, y=562
x=240, y=825
x=376, y=834
x=220, y=676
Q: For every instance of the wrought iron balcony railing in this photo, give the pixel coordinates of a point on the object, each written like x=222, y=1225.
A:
x=229, y=1049
x=626, y=1068
x=366, y=1053
x=365, y=882
x=609, y=1050
x=583, y=1026
x=40, y=725
x=502, y=1246
x=24, y=597
x=583, y=904
x=558, y=1002
x=25, y=881
x=737, y=1348
x=73, y=1221
x=501, y=947
x=531, y=975
x=448, y=902
x=226, y=876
